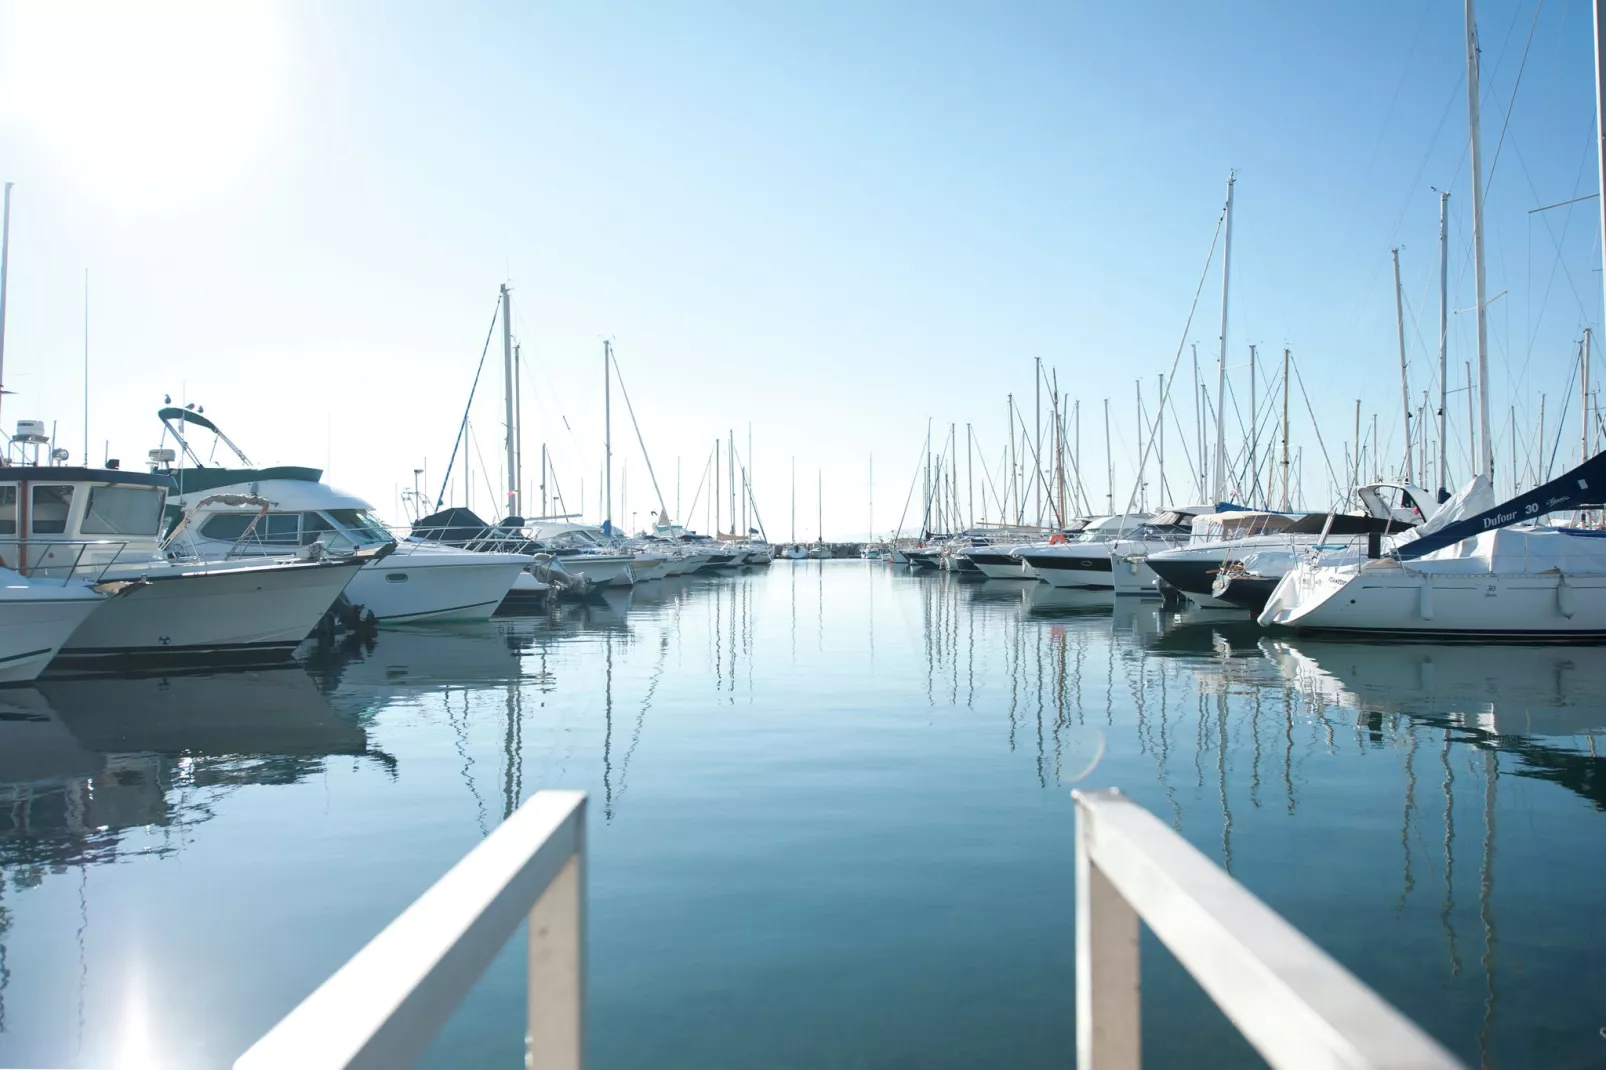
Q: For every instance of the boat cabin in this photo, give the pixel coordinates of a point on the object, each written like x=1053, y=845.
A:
x=61, y=522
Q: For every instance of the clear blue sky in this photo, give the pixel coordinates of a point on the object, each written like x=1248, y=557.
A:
x=831, y=220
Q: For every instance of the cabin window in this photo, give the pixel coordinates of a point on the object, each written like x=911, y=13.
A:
x=227, y=527
x=359, y=523
x=123, y=511
x=51, y=505
x=8, y=509
x=280, y=529
x=315, y=527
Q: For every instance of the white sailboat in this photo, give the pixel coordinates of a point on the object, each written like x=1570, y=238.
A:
x=1484, y=576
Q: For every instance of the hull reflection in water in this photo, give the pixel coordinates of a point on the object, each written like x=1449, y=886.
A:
x=1512, y=689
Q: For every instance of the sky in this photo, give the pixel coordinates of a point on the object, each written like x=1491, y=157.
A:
x=834, y=224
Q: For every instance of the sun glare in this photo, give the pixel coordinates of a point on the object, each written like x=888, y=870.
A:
x=143, y=98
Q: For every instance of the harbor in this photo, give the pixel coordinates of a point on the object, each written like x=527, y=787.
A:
x=802, y=538
x=829, y=792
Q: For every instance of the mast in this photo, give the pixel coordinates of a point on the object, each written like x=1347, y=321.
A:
x=1221, y=362
x=507, y=402
x=1600, y=159
x=1254, y=430
x=1477, y=240
x=1037, y=432
x=970, y=471
x=730, y=442
x=1444, y=336
x=1583, y=416
x=871, y=533
x=1014, y=484
x=819, y=504
x=1405, y=387
x=953, y=464
x=1198, y=418
x=1143, y=497
x=518, y=423
x=86, y=366
x=544, y=506
x=5, y=263
x=716, y=488
x=1285, y=429
x=1160, y=442
x=1109, y=462
x=794, y=500
x=607, y=435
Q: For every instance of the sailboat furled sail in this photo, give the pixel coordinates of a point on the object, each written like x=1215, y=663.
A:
x=1581, y=487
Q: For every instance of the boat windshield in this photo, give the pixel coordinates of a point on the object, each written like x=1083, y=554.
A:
x=360, y=526
x=122, y=510
x=571, y=540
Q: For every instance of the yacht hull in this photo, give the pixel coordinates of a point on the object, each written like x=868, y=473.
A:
x=1089, y=572
x=1383, y=598
x=235, y=615
x=600, y=570
x=435, y=586
x=999, y=566
x=32, y=630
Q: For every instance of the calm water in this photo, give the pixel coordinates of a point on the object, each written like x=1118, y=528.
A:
x=831, y=824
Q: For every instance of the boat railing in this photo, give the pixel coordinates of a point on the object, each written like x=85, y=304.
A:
x=385, y=1005
x=490, y=540
x=63, y=560
x=1290, y=1000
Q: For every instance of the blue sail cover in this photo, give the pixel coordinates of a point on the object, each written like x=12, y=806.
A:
x=1583, y=486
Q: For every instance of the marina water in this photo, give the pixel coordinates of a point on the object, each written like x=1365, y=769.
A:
x=831, y=823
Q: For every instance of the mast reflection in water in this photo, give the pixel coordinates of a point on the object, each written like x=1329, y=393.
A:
x=831, y=822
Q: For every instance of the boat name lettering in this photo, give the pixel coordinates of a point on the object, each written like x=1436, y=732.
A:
x=1499, y=518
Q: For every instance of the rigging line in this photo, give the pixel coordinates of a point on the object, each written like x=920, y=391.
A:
x=1328, y=461
x=1388, y=113
x=463, y=427
x=1512, y=104
x=691, y=510
x=663, y=509
x=1182, y=343
x=484, y=471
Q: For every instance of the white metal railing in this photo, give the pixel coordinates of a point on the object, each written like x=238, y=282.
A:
x=382, y=1008
x=1289, y=999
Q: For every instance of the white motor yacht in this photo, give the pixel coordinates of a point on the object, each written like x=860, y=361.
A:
x=414, y=580
x=102, y=527
x=1087, y=560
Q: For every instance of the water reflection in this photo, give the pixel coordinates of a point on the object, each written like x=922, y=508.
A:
x=1429, y=814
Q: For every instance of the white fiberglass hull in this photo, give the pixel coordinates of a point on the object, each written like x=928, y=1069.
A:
x=435, y=584
x=32, y=630
x=257, y=613
x=600, y=570
x=1384, y=597
x=1133, y=577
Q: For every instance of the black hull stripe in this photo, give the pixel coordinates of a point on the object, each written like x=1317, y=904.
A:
x=1070, y=564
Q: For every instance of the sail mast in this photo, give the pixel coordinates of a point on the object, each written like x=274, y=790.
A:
x=607, y=434
x=1444, y=335
x=507, y=401
x=1221, y=360
x=1405, y=387
x=1600, y=144
x=1477, y=241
